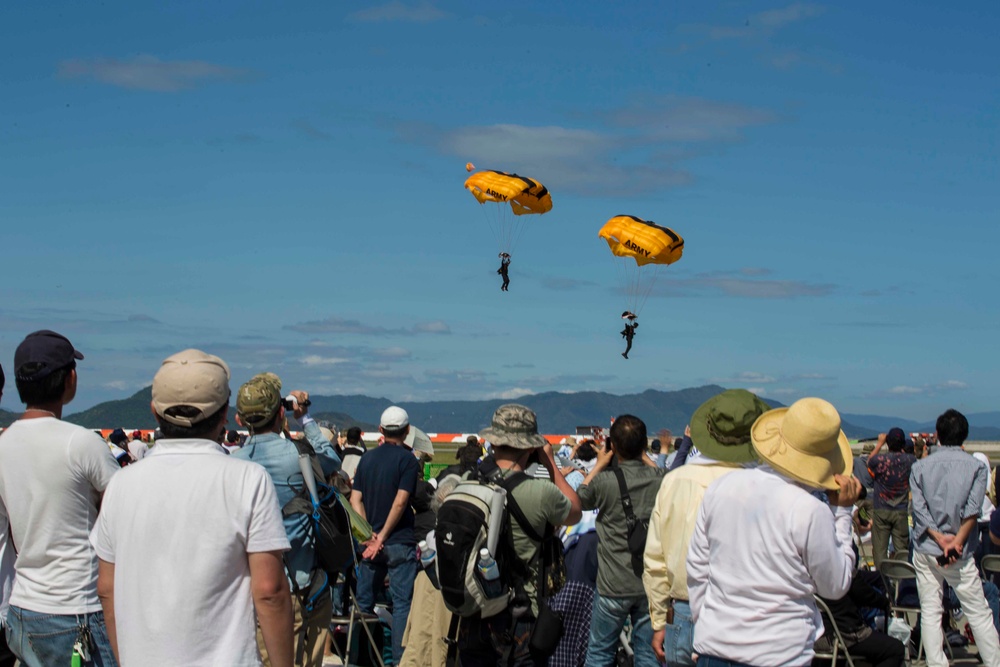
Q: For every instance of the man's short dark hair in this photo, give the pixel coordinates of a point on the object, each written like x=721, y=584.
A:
x=586, y=451
x=952, y=428
x=232, y=437
x=895, y=440
x=628, y=435
x=49, y=389
x=353, y=435
x=396, y=433
x=207, y=428
x=468, y=454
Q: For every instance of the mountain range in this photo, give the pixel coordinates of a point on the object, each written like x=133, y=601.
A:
x=557, y=413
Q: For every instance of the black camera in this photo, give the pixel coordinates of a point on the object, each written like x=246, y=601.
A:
x=291, y=403
x=945, y=559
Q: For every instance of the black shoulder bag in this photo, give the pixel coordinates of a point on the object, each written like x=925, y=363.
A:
x=637, y=528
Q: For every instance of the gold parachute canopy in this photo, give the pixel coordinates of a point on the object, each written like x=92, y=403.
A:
x=644, y=241
x=524, y=195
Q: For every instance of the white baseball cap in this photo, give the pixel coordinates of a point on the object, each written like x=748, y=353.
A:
x=394, y=418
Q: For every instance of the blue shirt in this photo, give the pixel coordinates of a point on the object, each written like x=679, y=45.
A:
x=947, y=486
x=281, y=460
x=382, y=472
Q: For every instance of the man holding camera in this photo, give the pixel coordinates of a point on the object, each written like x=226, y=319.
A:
x=948, y=488
x=620, y=593
x=261, y=409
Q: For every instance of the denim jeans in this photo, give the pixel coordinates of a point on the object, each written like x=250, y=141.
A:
x=46, y=640
x=678, y=640
x=399, y=563
x=606, y=625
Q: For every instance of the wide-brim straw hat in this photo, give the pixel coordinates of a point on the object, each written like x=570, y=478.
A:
x=514, y=426
x=804, y=442
x=720, y=427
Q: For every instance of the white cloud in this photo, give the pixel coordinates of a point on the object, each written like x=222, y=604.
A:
x=435, y=327
x=147, y=72
x=340, y=325
x=515, y=392
x=120, y=385
x=953, y=384
x=764, y=24
x=906, y=390
x=778, y=18
x=635, y=148
x=424, y=12
x=690, y=119
x=316, y=360
x=391, y=353
x=507, y=143
x=755, y=377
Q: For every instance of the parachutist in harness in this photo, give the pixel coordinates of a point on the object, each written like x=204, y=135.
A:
x=628, y=333
x=503, y=270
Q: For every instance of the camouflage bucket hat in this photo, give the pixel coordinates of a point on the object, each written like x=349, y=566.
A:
x=259, y=399
x=514, y=426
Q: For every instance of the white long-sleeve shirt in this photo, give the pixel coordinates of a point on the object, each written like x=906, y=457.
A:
x=761, y=548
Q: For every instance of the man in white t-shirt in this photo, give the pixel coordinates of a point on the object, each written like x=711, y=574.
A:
x=7, y=658
x=191, y=541
x=52, y=475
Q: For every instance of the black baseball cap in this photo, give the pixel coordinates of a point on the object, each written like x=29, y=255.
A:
x=46, y=351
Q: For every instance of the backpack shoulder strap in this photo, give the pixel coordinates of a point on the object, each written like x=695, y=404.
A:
x=509, y=484
x=626, y=498
x=304, y=447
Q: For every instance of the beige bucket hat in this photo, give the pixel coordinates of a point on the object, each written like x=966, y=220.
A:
x=804, y=441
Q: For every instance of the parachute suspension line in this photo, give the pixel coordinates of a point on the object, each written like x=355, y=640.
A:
x=635, y=289
x=491, y=222
x=518, y=227
x=654, y=274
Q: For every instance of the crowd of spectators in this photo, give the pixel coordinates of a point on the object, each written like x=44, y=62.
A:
x=711, y=550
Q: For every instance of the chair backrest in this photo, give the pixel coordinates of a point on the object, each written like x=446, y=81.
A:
x=894, y=572
x=837, y=642
x=991, y=565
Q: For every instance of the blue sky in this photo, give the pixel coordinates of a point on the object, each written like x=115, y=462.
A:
x=282, y=186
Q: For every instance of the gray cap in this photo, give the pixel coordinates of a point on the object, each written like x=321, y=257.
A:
x=514, y=426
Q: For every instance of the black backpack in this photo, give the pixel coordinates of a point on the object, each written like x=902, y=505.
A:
x=477, y=514
x=329, y=524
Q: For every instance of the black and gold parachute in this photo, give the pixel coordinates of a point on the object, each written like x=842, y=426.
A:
x=636, y=244
x=505, y=199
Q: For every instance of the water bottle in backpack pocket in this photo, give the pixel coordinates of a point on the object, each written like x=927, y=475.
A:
x=489, y=574
x=428, y=562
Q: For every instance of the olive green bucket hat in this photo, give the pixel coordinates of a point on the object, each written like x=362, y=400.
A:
x=514, y=426
x=720, y=427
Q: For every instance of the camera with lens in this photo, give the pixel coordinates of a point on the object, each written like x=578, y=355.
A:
x=291, y=403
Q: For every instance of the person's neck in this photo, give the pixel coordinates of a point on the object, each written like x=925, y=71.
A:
x=508, y=464
x=43, y=410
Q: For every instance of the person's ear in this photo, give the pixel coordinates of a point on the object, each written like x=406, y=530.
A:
x=69, y=388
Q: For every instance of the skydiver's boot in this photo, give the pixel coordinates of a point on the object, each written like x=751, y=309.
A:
x=625, y=354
